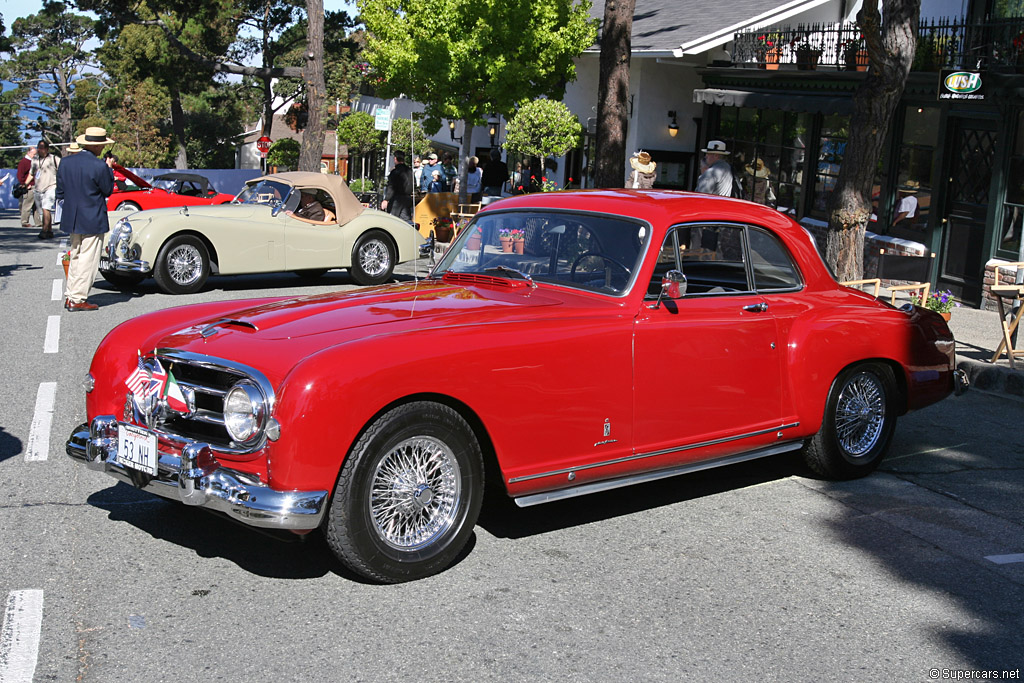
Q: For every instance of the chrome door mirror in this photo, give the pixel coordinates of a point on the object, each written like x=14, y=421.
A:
x=673, y=286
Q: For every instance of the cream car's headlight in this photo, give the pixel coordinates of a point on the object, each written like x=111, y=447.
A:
x=245, y=413
x=122, y=238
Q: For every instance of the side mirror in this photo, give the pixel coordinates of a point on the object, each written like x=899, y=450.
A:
x=673, y=286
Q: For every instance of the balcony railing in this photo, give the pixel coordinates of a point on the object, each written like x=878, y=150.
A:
x=941, y=44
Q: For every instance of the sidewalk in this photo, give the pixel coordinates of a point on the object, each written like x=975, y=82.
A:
x=977, y=336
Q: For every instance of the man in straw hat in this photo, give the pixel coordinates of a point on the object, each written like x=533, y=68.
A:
x=84, y=183
x=642, y=176
x=906, y=208
x=717, y=175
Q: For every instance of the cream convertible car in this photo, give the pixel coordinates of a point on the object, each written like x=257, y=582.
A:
x=259, y=232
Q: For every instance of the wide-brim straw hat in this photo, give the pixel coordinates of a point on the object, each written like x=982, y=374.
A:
x=910, y=187
x=94, y=135
x=74, y=147
x=758, y=169
x=716, y=147
x=642, y=163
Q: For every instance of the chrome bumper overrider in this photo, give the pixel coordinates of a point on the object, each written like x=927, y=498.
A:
x=119, y=265
x=195, y=478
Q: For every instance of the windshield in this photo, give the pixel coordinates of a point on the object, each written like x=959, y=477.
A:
x=266, y=192
x=585, y=251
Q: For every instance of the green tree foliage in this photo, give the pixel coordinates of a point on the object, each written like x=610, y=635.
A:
x=48, y=60
x=465, y=59
x=357, y=132
x=284, y=152
x=419, y=143
x=542, y=128
x=137, y=127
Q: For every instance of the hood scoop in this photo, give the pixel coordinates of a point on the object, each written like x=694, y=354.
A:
x=484, y=280
x=214, y=328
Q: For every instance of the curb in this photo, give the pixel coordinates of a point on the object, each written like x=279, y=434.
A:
x=992, y=378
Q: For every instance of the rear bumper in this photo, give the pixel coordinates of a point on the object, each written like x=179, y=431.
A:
x=196, y=478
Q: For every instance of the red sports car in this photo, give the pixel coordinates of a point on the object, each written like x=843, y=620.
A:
x=169, y=189
x=568, y=342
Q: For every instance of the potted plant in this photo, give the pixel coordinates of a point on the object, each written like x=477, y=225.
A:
x=806, y=54
x=518, y=240
x=942, y=303
x=855, y=54
x=475, y=240
x=505, y=237
x=769, y=50
x=443, y=228
x=65, y=260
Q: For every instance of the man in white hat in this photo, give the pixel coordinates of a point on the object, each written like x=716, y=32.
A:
x=84, y=183
x=906, y=208
x=717, y=176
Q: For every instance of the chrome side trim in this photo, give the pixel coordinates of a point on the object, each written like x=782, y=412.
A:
x=196, y=478
x=652, y=454
x=548, y=496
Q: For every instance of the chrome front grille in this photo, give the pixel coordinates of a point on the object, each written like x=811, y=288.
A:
x=209, y=379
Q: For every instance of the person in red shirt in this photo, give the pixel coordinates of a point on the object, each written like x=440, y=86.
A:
x=28, y=200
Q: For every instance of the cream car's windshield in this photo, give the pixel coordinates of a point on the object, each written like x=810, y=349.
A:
x=586, y=251
x=266, y=192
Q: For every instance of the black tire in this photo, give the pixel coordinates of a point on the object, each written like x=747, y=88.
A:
x=182, y=265
x=422, y=519
x=311, y=273
x=373, y=258
x=859, y=421
x=128, y=206
x=122, y=280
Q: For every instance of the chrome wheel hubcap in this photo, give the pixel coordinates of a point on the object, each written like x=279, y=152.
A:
x=860, y=414
x=374, y=258
x=184, y=264
x=415, y=493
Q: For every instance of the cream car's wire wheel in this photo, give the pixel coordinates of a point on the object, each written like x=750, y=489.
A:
x=374, y=258
x=415, y=493
x=860, y=414
x=184, y=264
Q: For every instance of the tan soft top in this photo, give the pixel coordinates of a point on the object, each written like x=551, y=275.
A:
x=346, y=205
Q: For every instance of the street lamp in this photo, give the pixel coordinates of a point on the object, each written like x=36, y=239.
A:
x=451, y=131
x=673, y=128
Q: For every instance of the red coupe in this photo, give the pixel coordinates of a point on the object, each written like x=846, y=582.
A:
x=567, y=343
x=168, y=189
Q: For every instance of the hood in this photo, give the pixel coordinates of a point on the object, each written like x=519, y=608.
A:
x=228, y=211
x=298, y=328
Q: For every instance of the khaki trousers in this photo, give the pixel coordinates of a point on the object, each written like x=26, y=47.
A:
x=28, y=207
x=85, y=261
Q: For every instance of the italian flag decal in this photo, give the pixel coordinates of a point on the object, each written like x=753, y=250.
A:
x=172, y=394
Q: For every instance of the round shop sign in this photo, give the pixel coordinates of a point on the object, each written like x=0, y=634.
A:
x=962, y=82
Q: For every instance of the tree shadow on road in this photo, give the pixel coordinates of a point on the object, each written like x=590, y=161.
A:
x=10, y=445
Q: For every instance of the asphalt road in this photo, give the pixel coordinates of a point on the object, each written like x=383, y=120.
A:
x=755, y=572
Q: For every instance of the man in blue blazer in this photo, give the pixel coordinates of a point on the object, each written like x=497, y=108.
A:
x=84, y=183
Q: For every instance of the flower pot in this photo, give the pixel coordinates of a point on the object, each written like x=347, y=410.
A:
x=473, y=243
x=65, y=264
x=771, y=59
x=807, y=60
x=506, y=244
x=946, y=315
x=443, y=233
x=519, y=246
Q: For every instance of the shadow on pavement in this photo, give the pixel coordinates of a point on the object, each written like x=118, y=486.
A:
x=10, y=445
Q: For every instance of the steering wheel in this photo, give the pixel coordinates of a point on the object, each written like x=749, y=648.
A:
x=607, y=271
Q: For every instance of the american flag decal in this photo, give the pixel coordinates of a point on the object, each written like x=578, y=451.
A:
x=147, y=379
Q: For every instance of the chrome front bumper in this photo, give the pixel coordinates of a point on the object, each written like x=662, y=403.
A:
x=119, y=265
x=196, y=478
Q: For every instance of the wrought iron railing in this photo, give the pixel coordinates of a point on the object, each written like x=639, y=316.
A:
x=941, y=44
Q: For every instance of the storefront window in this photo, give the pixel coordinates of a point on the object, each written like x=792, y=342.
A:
x=831, y=147
x=908, y=215
x=1013, y=205
x=768, y=157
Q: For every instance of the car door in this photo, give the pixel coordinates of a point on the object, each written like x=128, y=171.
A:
x=312, y=245
x=707, y=366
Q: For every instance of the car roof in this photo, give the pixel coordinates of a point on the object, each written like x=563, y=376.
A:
x=347, y=206
x=194, y=177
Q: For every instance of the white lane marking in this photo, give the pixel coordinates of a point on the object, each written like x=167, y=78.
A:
x=51, y=343
x=1005, y=559
x=39, y=433
x=19, y=636
x=57, y=292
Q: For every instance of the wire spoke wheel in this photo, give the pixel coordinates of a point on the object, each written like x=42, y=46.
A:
x=415, y=493
x=184, y=264
x=374, y=258
x=860, y=414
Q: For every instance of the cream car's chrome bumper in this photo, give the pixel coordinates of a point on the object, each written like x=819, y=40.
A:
x=119, y=265
x=196, y=478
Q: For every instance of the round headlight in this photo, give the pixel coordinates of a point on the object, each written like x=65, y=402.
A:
x=123, y=236
x=245, y=412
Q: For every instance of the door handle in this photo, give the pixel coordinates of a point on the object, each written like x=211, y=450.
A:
x=756, y=308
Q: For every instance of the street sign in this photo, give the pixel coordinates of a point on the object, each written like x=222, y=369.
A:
x=263, y=145
x=382, y=119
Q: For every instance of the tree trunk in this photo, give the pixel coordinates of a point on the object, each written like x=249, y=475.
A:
x=178, y=128
x=313, y=75
x=891, y=43
x=613, y=93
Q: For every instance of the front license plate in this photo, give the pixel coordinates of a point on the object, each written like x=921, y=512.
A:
x=136, y=448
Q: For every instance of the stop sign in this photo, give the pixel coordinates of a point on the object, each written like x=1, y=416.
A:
x=263, y=144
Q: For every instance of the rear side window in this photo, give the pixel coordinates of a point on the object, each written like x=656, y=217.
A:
x=771, y=263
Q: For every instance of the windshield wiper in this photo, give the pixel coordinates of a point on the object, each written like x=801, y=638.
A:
x=508, y=272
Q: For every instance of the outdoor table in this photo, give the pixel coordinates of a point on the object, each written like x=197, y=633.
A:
x=1010, y=293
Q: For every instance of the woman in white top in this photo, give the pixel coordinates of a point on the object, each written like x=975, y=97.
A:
x=474, y=179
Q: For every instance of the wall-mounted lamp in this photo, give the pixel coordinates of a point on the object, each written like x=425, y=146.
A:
x=673, y=128
x=451, y=131
x=493, y=124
